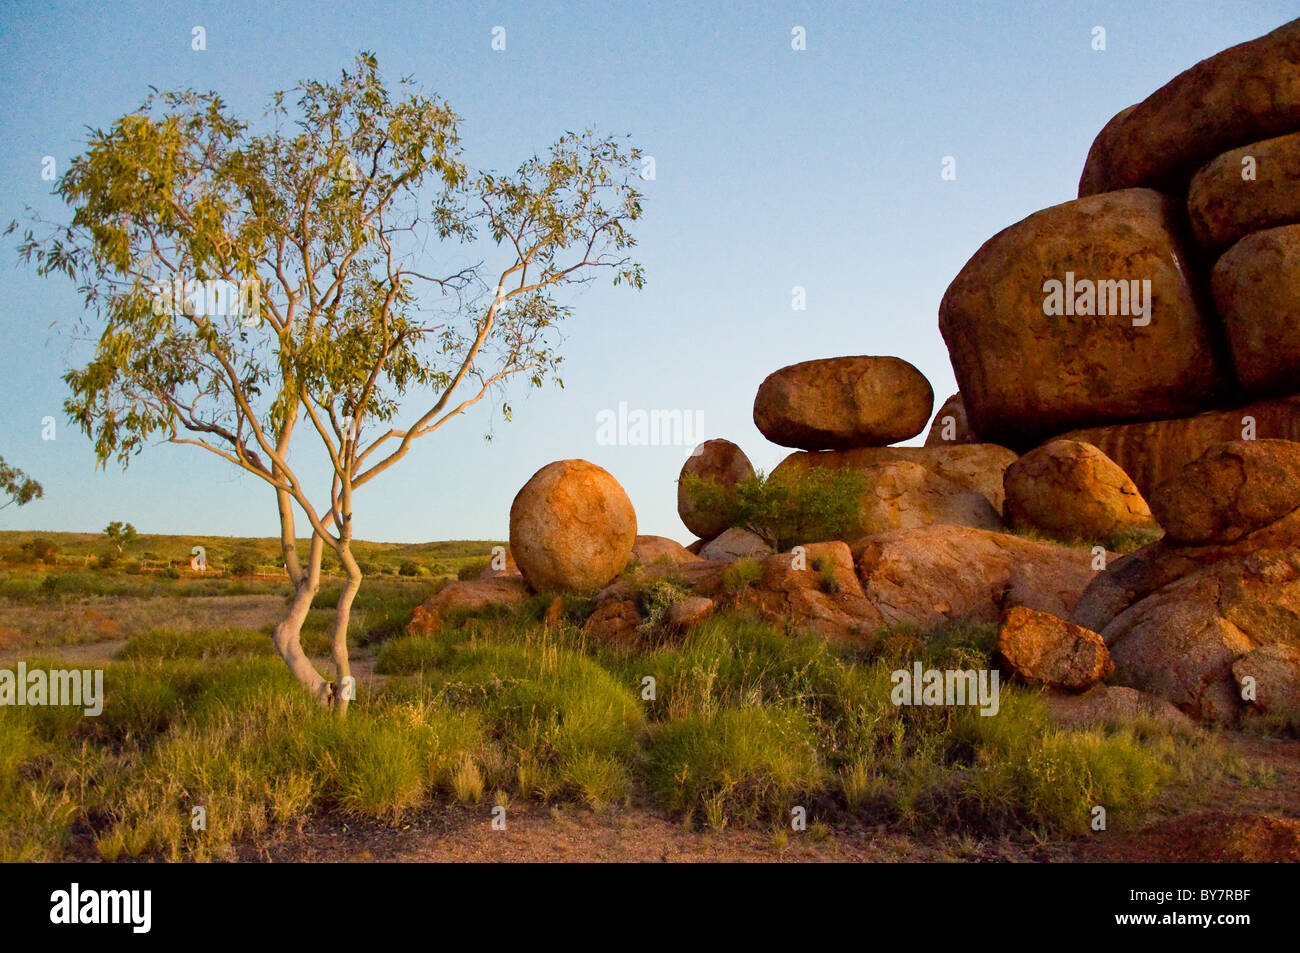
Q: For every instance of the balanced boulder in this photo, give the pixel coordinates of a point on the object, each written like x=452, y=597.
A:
x=1246, y=93
x=1256, y=286
x=1246, y=190
x=1081, y=314
x=1230, y=492
x=1072, y=491
x=843, y=402
x=719, y=462
x=572, y=527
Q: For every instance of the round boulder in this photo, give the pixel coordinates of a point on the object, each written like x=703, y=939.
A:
x=1246, y=93
x=1071, y=490
x=843, y=402
x=1233, y=490
x=572, y=527
x=715, y=461
x=1080, y=315
x=1246, y=190
x=1256, y=286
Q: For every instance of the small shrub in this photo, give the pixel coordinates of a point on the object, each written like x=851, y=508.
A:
x=40, y=550
x=473, y=570
x=742, y=574
x=409, y=567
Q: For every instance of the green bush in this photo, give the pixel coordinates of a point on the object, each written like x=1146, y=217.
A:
x=409, y=567
x=805, y=507
x=40, y=550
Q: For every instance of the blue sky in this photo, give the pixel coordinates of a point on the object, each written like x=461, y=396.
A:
x=775, y=168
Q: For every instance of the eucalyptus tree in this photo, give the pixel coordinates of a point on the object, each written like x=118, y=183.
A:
x=339, y=279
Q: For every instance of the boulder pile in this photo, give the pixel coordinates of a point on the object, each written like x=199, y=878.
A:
x=1129, y=365
x=1157, y=314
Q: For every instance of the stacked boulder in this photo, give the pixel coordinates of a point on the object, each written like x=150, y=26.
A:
x=1143, y=340
x=1159, y=313
x=843, y=413
x=1217, y=601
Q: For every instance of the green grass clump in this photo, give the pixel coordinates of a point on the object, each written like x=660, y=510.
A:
x=171, y=644
x=738, y=764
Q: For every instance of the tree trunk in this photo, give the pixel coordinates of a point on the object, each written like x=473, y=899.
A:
x=306, y=584
x=287, y=634
x=346, y=687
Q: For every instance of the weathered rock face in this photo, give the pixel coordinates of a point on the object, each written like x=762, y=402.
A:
x=1246, y=190
x=1256, y=286
x=1114, y=705
x=815, y=591
x=718, y=461
x=938, y=574
x=1244, y=94
x=954, y=488
x=572, y=527
x=735, y=544
x=843, y=402
x=614, y=622
x=1042, y=648
x=905, y=495
x=654, y=549
x=950, y=426
x=1046, y=334
x=1231, y=491
x=1153, y=452
x=1176, y=618
x=466, y=597
x=690, y=612
x=1073, y=491
x=1269, y=678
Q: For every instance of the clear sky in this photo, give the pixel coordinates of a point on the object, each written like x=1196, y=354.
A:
x=774, y=168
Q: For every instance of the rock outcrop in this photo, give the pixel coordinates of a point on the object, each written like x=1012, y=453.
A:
x=1244, y=94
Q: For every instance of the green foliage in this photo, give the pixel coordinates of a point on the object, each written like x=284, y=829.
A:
x=166, y=644
x=121, y=534
x=735, y=763
x=409, y=567
x=807, y=506
x=473, y=569
x=241, y=563
x=742, y=574
x=18, y=486
x=40, y=550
